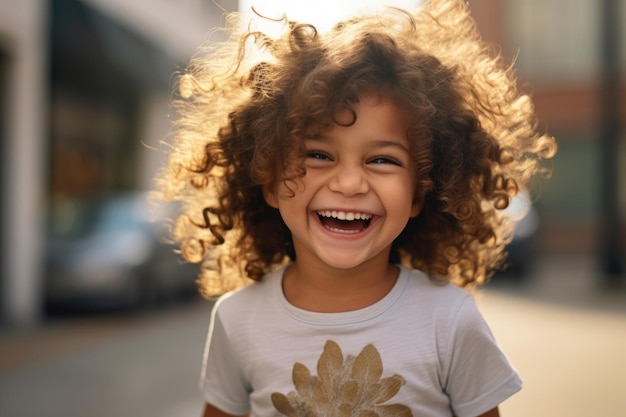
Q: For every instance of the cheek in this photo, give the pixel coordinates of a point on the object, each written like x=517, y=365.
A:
x=294, y=189
x=402, y=194
x=281, y=193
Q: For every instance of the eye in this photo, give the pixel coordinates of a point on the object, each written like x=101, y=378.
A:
x=388, y=160
x=319, y=155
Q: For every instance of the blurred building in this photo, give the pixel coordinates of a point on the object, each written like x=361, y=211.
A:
x=84, y=90
x=563, y=50
x=23, y=139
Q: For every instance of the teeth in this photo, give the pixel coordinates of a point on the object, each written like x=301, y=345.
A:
x=342, y=215
x=346, y=232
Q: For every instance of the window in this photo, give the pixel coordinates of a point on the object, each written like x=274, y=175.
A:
x=556, y=39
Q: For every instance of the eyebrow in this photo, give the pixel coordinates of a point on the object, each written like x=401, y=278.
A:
x=378, y=143
x=384, y=143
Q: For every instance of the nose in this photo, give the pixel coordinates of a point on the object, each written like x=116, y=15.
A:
x=348, y=180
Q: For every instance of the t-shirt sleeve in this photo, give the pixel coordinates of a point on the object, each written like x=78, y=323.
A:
x=221, y=381
x=479, y=376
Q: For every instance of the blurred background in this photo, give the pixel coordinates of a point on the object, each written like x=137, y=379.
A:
x=98, y=316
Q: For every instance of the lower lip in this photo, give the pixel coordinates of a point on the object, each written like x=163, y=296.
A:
x=350, y=235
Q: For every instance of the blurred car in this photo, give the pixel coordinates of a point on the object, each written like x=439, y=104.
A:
x=521, y=251
x=112, y=253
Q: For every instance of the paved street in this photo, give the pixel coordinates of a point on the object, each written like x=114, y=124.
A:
x=571, y=360
x=116, y=366
x=565, y=336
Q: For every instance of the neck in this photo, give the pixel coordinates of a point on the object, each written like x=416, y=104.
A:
x=321, y=288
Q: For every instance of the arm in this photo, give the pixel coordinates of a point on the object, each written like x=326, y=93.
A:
x=210, y=411
x=491, y=413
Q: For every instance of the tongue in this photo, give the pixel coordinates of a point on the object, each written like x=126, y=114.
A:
x=344, y=224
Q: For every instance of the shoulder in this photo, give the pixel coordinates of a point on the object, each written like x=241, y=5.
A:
x=429, y=290
x=443, y=303
x=249, y=298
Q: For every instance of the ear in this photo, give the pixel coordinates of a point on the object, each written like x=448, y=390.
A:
x=269, y=193
x=416, y=208
x=418, y=203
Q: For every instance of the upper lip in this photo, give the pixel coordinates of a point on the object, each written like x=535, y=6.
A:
x=345, y=214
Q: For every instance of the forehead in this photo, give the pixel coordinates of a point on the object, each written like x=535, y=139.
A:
x=384, y=108
x=370, y=121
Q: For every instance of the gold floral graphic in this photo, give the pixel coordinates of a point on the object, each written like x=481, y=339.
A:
x=342, y=388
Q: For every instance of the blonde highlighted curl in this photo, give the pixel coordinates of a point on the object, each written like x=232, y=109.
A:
x=245, y=105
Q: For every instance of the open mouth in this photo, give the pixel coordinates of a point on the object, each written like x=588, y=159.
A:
x=344, y=222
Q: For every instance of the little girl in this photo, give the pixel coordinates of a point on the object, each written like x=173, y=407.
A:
x=352, y=177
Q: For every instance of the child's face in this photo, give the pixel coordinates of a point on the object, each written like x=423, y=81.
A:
x=359, y=189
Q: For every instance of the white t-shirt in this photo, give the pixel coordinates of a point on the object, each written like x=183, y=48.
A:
x=422, y=350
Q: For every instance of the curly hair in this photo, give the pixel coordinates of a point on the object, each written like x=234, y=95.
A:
x=245, y=105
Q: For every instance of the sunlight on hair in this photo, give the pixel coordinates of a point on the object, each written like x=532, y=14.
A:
x=324, y=14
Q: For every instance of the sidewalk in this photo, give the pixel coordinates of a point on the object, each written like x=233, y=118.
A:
x=55, y=340
x=566, y=335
